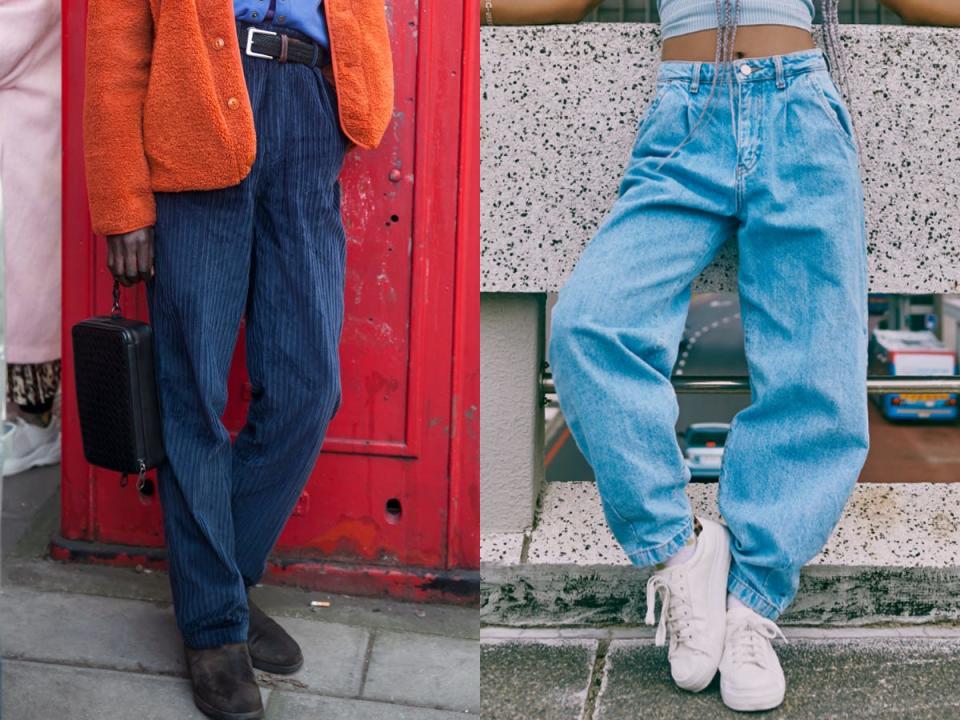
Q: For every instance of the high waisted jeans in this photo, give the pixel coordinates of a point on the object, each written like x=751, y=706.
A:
x=271, y=248
x=774, y=164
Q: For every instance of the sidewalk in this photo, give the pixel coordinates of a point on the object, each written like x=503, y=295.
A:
x=100, y=643
x=885, y=674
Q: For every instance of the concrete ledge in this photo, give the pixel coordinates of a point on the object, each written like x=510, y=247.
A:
x=560, y=105
x=893, y=558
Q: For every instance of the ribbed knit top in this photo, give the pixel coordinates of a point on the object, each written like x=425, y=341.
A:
x=679, y=17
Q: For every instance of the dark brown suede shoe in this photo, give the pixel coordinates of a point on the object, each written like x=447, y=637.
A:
x=271, y=648
x=224, y=687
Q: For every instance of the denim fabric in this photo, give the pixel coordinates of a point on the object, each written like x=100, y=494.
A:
x=773, y=163
x=271, y=248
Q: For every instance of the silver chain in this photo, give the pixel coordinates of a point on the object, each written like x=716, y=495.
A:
x=116, y=297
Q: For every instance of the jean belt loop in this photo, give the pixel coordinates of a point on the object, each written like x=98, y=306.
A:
x=778, y=62
x=695, y=80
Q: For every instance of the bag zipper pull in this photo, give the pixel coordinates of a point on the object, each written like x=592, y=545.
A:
x=142, y=477
x=116, y=298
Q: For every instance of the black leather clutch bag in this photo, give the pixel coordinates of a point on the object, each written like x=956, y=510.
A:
x=117, y=392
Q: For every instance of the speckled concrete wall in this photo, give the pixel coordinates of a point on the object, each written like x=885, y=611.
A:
x=560, y=105
x=511, y=437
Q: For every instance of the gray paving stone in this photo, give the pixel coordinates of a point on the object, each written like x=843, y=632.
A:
x=887, y=679
x=425, y=670
x=289, y=705
x=140, y=636
x=87, y=630
x=535, y=681
x=36, y=691
x=23, y=495
x=333, y=655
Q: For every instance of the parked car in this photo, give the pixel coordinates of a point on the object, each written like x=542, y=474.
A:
x=909, y=352
x=704, y=443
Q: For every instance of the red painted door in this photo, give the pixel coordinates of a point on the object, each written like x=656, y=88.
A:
x=378, y=502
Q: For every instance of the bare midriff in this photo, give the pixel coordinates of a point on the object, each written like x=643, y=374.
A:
x=752, y=41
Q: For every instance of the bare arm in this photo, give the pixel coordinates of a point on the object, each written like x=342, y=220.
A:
x=536, y=12
x=926, y=12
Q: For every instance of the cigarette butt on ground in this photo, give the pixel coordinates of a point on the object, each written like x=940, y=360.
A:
x=319, y=603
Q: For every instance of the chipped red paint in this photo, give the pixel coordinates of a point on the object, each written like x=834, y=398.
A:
x=394, y=498
x=459, y=586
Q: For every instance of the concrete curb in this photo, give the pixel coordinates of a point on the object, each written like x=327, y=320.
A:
x=891, y=559
x=604, y=595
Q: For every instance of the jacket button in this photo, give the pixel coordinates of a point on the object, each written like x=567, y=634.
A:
x=233, y=103
x=218, y=43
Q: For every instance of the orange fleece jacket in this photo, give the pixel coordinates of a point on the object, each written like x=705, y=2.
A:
x=166, y=106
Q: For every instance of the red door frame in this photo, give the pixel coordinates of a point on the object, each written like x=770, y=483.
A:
x=464, y=527
x=446, y=236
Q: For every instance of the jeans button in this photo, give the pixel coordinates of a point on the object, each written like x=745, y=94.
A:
x=745, y=69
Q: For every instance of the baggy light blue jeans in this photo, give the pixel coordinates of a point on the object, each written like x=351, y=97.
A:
x=774, y=164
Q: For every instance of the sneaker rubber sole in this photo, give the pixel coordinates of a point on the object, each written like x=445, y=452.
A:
x=48, y=454
x=756, y=701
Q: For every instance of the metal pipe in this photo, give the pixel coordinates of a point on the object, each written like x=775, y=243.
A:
x=740, y=384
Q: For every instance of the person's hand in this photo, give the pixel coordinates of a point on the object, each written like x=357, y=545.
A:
x=945, y=13
x=130, y=256
x=535, y=12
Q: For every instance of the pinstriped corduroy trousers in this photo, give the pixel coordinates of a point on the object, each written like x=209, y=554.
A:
x=271, y=248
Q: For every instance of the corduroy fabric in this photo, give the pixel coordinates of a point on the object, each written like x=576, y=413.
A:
x=272, y=248
x=679, y=17
x=165, y=107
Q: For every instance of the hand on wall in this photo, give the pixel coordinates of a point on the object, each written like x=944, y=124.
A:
x=926, y=12
x=534, y=12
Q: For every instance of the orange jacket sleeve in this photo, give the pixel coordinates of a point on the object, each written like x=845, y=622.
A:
x=119, y=43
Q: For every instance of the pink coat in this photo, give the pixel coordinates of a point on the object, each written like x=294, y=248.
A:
x=30, y=176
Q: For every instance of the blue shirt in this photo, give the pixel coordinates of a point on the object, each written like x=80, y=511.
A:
x=303, y=15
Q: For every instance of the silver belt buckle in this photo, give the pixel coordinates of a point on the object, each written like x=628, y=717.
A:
x=250, y=33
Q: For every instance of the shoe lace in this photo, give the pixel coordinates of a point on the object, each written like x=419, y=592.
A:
x=749, y=637
x=675, y=609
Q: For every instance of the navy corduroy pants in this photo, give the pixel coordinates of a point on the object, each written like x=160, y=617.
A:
x=273, y=249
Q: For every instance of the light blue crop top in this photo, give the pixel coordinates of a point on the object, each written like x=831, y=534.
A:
x=679, y=17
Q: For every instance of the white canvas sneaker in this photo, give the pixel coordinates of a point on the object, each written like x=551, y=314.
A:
x=750, y=674
x=693, y=598
x=28, y=445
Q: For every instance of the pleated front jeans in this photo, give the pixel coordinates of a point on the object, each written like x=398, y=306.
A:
x=765, y=156
x=271, y=249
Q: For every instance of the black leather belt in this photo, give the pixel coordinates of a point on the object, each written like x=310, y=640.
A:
x=271, y=45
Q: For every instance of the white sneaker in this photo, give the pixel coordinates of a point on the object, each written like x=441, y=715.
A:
x=750, y=674
x=693, y=598
x=29, y=445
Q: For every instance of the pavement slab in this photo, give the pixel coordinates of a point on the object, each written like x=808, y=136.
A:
x=39, y=691
x=535, y=681
x=425, y=670
x=88, y=631
x=23, y=496
x=880, y=679
x=333, y=656
x=285, y=705
x=90, y=651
